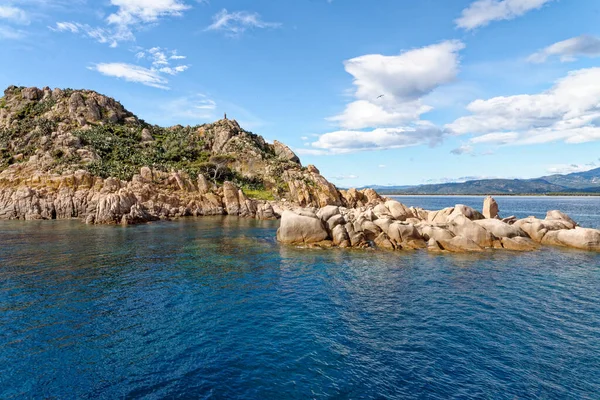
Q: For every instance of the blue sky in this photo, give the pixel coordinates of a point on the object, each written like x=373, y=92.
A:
x=372, y=92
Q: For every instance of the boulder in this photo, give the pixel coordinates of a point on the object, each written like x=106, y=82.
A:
x=327, y=212
x=284, y=152
x=340, y=236
x=440, y=216
x=555, y=215
x=536, y=228
x=381, y=211
x=434, y=232
x=370, y=229
x=383, y=224
x=265, y=210
x=203, y=185
x=519, y=243
x=468, y=212
x=500, y=229
x=371, y=196
x=460, y=244
x=578, y=238
x=399, y=211
x=403, y=232
x=147, y=136
x=356, y=238
x=433, y=246
x=490, y=207
x=231, y=198
x=297, y=229
x=335, y=221
x=462, y=226
x=383, y=241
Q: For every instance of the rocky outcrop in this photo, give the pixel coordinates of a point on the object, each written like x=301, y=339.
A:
x=390, y=225
x=26, y=193
x=284, y=152
x=490, y=208
x=49, y=136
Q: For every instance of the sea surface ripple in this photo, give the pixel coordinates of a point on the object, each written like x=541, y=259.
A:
x=215, y=308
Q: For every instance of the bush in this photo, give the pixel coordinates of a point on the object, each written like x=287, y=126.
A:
x=122, y=153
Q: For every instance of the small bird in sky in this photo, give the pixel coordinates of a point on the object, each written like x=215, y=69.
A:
x=380, y=96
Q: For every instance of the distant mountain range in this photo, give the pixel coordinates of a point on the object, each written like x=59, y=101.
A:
x=578, y=182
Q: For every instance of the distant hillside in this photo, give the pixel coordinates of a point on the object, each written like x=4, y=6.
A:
x=578, y=182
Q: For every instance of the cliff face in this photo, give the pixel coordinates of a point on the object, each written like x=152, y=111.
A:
x=79, y=154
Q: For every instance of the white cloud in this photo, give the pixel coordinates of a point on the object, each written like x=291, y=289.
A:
x=133, y=12
x=198, y=107
x=570, y=49
x=341, y=142
x=388, y=105
x=381, y=165
x=461, y=179
x=496, y=138
x=238, y=22
x=173, y=70
x=132, y=73
x=8, y=33
x=570, y=168
x=569, y=112
x=362, y=114
x=344, y=177
x=14, y=14
x=389, y=89
x=482, y=12
x=130, y=16
x=160, y=65
x=464, y=149
x=101, y=35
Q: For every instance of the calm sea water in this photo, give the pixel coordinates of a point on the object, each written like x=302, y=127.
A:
x=215, y=308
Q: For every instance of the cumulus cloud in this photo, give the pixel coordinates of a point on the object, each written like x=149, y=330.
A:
x=570, y=49
x=569, y=112
x=132, y=73
x=236, y=23
x=482, y=12
x=130, y=16
x=389, y=89
x=388, y=100
x=342, y=142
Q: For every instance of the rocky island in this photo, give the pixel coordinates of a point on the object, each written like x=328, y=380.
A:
x=78, y=154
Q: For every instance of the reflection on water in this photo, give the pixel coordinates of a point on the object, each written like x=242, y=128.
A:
x=214, y=307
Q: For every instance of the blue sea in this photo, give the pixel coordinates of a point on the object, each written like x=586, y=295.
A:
x=215, y=308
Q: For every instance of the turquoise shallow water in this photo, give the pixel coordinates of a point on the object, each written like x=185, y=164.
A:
x=215, y=308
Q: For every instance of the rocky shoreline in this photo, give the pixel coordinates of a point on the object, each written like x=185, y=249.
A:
x=390, y=225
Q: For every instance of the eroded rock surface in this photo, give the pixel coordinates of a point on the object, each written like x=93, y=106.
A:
x=390, y=225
